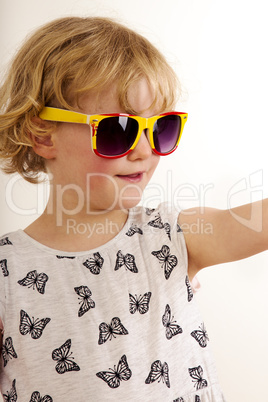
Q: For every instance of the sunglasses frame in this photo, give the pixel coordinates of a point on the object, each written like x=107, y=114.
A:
x=68, y=116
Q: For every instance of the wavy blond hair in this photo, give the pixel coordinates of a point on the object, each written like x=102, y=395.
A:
x=62, y=61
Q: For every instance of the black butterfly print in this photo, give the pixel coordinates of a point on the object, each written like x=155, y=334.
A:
x=201, y=336
x=167, y=229
x=94, y=264
x=34, y=327
x=149, y=211
x=156, y=222
x=189, y=289
x=8, y=350
x=60, y=257
x=172, y=329
x=5, y=241
x=127, y=260
x=36, y=397
x=12, y=395
x=179, y=228
x=140, y=304
x=35, y=280
x=63, y=356
x=86, y=302
x=108, y=331
x=197, y=374
x=178, y=400
x=167, y=261
x=134, y=229
x=3, y=265
x=113, y=377
x=158, y=372
x=197, y=399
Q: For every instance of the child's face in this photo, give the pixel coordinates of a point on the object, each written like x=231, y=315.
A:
x=102, y=183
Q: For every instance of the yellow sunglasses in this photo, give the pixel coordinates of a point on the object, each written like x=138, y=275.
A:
x=115, y=135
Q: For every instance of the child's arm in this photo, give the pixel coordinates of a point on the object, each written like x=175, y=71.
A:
x=216, y=236
x=1, y=336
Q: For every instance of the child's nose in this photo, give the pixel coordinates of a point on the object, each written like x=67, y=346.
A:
x=143, y=149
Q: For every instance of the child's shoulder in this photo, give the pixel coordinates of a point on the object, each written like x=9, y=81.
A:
x=10, y=238
x=165, y=211
x=8, y=248
x=14, y=246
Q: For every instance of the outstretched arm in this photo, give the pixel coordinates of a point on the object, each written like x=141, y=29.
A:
x=216, y=236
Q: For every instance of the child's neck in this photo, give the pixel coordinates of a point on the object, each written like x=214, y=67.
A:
x=74, y=233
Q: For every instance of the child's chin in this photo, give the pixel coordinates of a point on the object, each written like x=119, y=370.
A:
x=129, y=197
x=129, y=203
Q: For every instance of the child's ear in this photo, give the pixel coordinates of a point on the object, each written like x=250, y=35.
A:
x=43, y=145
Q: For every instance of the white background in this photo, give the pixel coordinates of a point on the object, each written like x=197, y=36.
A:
x=219, y=51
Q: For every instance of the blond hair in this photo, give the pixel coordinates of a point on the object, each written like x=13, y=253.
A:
x=63, y=60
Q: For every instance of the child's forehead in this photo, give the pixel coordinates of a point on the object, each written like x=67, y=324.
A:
x=97, y=100
x=139, y=96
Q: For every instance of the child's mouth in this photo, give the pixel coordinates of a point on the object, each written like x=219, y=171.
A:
x=133, y=178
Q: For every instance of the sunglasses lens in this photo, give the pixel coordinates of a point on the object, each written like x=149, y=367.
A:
x=116, y=135
x=166, y=133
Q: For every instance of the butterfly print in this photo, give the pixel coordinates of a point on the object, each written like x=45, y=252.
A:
x=12, y=395
x=172, y=329
x=156, y=222
x=108, y=331
x=3, y=265
x=189, y=289
x=35, y=280
x=5, y=241
x=179, y=400
x=167, y=229
x=36, y=397
x=8, y=350
x=167, y=261
x=113, y=377
x=86, y=302
x=179, y=228
x=140, y=304
x=134, y=229
x=65, y=256
x=63, y=356
x=197, y=399
x=94, y=264
x=127, y=260
x=158, y=372
x=149, y=211
x=201, y=336
x=34, y=327
x=197, y=374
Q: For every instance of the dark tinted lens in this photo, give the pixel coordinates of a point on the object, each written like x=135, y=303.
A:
x=166, y=132
x=116, y=135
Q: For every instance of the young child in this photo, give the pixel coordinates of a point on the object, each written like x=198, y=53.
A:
x=110, y=316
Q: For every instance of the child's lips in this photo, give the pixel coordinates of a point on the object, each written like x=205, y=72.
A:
x=133, y=178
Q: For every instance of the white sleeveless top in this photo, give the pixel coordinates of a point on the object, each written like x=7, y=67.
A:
x=117, y=323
